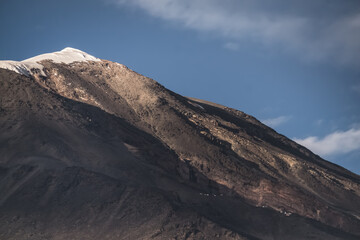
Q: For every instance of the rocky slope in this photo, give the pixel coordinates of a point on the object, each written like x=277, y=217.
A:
x=92, y=150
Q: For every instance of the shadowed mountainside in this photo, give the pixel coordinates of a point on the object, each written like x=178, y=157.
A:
x=94, y=150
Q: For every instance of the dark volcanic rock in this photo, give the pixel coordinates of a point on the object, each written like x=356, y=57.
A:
x=96, y=151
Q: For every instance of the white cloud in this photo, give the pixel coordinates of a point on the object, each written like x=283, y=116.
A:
x=334, y=143
x=274, y=122
x=315, y=29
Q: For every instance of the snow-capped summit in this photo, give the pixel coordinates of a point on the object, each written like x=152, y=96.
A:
x=67, y=55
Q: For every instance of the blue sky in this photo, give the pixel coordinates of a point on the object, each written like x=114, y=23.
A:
x=295, y=65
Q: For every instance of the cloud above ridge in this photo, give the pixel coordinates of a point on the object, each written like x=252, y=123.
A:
x=338, y=142
x=317, y=30
x=274, y=122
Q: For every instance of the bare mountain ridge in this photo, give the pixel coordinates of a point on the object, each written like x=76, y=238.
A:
x=172, y=167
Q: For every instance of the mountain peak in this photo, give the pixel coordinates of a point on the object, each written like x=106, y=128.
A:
x=67, y=55
x=70, y=49
x=97, y=149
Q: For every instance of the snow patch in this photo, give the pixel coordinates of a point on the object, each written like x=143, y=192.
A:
x=21, y=67
x=196, y=105
x=199, y=106
x=67, y=55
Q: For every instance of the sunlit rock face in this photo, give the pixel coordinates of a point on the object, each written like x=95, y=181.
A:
x=93, y=150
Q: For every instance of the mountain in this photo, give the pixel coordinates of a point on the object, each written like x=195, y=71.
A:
x=93, y=150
